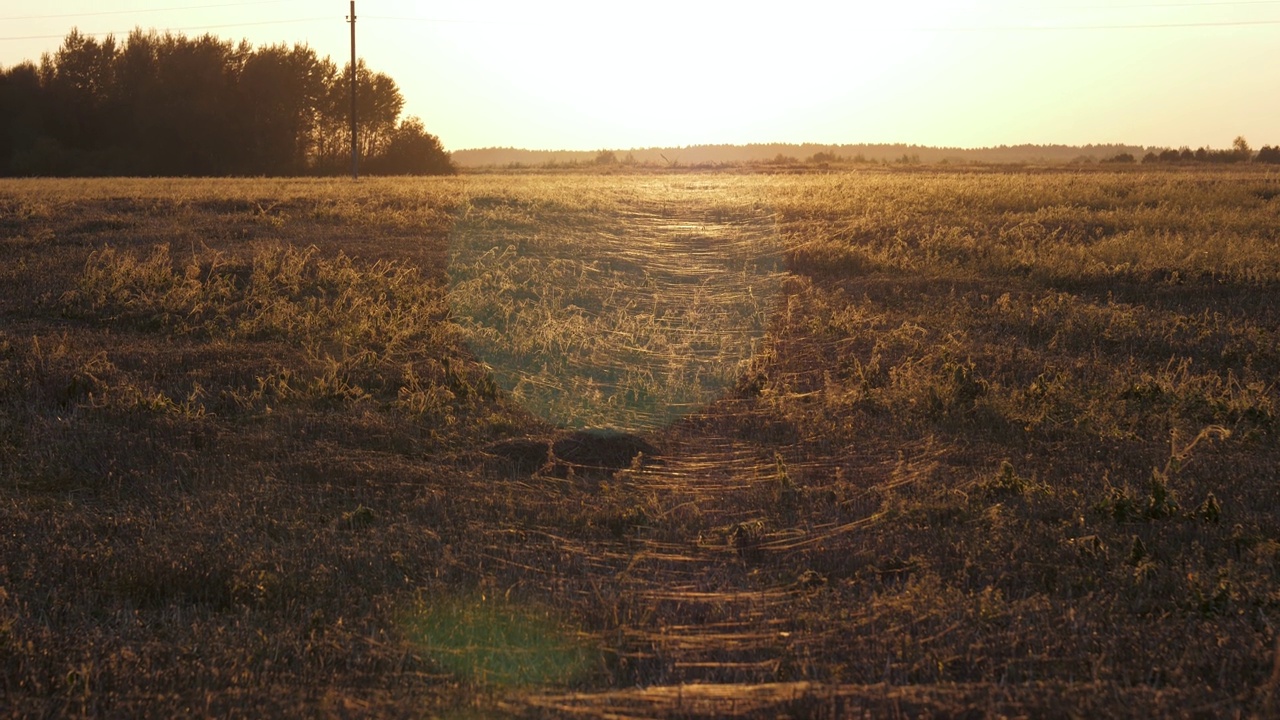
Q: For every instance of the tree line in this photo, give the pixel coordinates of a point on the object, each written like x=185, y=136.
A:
x=791, y=153
x=1238, y=152
x=171, y=105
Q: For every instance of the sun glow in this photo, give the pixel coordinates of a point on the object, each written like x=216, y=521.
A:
x=574, y=75
x=681, y=74
x=567, y=74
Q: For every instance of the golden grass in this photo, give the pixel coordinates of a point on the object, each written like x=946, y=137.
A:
x=988, y=442
x=599, y=308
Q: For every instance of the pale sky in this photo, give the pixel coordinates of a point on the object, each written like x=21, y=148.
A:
x=567, y=74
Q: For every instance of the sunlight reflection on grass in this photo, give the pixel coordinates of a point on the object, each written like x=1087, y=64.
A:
x=615, y=312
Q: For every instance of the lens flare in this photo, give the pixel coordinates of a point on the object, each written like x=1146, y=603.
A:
x=500, y=643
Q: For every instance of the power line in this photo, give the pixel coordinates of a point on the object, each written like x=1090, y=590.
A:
x=148, y=10
x=451, y=21
x=1144, y=6
x=123, y=33
x=1135, y=26
x=961, y=28
x=509, y=22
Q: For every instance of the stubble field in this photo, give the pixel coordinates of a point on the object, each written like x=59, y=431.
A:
x=923, y=442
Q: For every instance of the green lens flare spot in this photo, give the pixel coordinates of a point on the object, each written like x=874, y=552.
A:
x=499, y=643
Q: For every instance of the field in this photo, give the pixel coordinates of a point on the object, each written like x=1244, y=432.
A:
x=890, y=442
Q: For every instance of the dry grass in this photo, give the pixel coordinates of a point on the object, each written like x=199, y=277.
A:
x=908, y=443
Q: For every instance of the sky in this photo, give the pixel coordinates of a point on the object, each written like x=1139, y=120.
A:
x=574, y=75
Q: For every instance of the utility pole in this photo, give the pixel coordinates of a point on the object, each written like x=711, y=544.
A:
x=355, y=154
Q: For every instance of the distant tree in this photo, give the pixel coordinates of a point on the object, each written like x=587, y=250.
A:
x=1233, y=155
x=278, y=90
x=1185, y=154
x=186, y=119
x=79, y=82
x=606, y=157
x=378, y=104
x=1150, y=157
x=1202, y=154
x=1241, y=148
x=1121, y=158
x=135, y=91
x=1268, y=154
x=20, y=117
x=823, y=157
x=411, y=150
x=1169, y=155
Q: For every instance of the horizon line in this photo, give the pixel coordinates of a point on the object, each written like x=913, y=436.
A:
x=829, y=144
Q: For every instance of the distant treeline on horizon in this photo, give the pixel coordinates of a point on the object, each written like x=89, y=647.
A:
x=815, y=153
